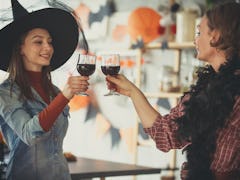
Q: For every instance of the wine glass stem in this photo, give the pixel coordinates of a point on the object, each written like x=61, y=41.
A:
x=111, y=92
x=82, y=94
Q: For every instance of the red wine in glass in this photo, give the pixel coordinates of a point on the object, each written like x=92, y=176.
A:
x=86, y=69
x=86, y=66
x=110, y=66
x=110, y=70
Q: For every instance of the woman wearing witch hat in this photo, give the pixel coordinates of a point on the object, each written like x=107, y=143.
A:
x=34, y=112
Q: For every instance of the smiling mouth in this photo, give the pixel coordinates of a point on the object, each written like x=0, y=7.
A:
x=45, y=56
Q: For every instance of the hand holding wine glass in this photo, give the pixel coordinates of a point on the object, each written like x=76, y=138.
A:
x=86, y=66
x=110, y=66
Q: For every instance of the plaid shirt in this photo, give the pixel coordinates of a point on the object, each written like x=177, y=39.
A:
x=227, y=156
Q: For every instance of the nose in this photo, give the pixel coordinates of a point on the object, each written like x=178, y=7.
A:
x=48, y=46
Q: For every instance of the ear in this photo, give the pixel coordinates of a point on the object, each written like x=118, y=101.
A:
x=215, y=35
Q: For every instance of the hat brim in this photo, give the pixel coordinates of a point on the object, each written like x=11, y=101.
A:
x=61, y=25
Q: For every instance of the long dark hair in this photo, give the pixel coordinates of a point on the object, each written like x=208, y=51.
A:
x=18, y=74
x=213, y=96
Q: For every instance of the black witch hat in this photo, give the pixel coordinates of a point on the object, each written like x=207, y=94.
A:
x=61, y=25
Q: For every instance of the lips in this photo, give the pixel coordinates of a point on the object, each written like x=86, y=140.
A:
x=45, y=56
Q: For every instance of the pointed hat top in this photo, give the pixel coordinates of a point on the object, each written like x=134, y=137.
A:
x=60, y=24
x=18, y=10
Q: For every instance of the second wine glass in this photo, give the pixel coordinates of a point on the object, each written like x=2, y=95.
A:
x=110, y=66
x=86, y=66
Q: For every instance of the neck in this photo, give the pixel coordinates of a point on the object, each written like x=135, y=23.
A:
x=217, y=60
x=34, y=77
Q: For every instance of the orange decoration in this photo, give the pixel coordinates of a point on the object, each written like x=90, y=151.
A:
x=102, y=125
x=144, y=22
x=122, y=62
x=83, y=11
x=119, y=32
x=130, y=63
x=78, y=102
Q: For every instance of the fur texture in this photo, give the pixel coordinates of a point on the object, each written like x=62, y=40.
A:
x=211, y=103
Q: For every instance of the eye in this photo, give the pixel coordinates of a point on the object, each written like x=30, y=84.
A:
x=49, y=41
x=197, y=33
x=38, y=42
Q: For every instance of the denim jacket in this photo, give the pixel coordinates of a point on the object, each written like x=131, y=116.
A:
x=34, y=153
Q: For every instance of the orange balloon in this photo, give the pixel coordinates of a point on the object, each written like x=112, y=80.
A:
x=144, y=22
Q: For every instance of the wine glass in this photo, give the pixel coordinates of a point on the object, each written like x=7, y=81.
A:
x=86, y=66
x=110, y=66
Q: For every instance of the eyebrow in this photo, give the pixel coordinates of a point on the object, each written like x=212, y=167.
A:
x=39, y=36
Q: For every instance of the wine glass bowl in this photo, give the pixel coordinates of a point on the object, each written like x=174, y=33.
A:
x=110, y=65
x=86, y=66
x=110, y=70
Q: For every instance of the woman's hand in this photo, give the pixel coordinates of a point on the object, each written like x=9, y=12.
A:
x=120, y=84
x=74, y=85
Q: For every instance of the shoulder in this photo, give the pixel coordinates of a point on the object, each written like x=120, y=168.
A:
x=8, y=94
x=4, y=88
